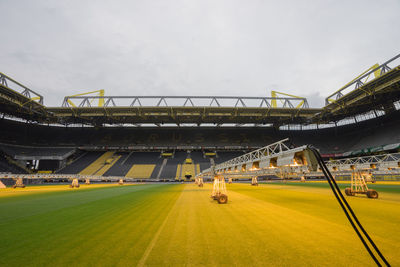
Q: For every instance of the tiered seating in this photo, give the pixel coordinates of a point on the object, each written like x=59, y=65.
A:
x=170, y=169
x=144, y=158
x=7, y=167
x=38, y=152
x=224, y=156
x=141, y=171
x=187, y=168
x=119, y=168
x=156, y=170
x=136, y=165
x=201, y=162
x=178, y=171
x=81, y=163
x=369, y=133
x=108, y=164
x=100, y=165
x=373, y=138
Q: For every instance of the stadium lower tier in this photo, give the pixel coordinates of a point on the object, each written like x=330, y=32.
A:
x=139, y=165
x=119, y=151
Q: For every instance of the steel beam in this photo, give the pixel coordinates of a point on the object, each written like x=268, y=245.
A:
x=384, y=68
x=193, y=101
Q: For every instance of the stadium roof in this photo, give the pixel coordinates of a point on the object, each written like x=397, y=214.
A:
x=357, y=97
x=360, y=96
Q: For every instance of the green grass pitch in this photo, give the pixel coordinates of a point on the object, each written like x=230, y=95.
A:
x=296, y=224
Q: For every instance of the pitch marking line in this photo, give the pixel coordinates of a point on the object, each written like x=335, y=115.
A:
x=156, y=236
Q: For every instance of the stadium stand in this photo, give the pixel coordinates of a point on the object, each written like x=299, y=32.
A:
x=178, y=171
x=101, y=164
x=170, y=169
x=201, y=162
x=224, y=156
x=187, y=169
x=120, y=140
x=157, y=169
x=8, y=167
x=351, y=136
x=27, y=152
x=145, y=164
x=140, y=171
x=131, y=146
x=81, y=162
x=136, y=165
x=119, y=168
x=376, y=137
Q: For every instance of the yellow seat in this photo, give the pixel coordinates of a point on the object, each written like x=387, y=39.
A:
x=141, y=171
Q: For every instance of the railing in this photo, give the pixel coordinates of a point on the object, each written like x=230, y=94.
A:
x=278, y=150
x=20, y=88
x=286, y=162
x=187, y=101
x=66, y=177
x=360, y=81
x=366, y=162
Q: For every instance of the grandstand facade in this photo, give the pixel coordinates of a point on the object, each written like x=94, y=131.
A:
x=178, y=137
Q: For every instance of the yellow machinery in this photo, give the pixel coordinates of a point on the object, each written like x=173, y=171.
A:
x=274, y=95
x=377, y=73
x=75, y=183
x=19, y=183
x=99, y=92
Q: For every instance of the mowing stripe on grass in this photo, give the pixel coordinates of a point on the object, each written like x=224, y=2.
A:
x=154, y=240
x=110, y=230
x=180, y=225
x=380, y=217
x=252, y=230
x=29, y=205
x=9, y=193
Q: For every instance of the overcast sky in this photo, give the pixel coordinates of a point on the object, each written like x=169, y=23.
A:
x=202, y=47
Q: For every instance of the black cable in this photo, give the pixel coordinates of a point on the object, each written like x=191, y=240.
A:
x=355, y=217
x=351, y=221
x=329, y=175
x=349, y=218
x=340, y=198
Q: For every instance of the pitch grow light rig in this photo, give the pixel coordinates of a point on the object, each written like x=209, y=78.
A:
x=278, y=158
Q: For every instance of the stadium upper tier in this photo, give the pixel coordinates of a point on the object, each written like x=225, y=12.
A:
x=360, y=96
x=376, y=132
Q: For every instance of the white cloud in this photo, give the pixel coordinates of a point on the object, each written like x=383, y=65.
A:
x=306, y=48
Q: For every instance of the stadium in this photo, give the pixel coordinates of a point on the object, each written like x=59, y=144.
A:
x=154, y=161
x=199, y=133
